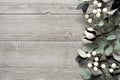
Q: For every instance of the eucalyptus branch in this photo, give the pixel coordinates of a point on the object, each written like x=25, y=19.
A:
x=108, y=31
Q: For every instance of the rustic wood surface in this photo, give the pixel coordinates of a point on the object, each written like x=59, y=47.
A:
x=39, y=39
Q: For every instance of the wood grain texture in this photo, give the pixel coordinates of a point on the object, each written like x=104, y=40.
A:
x=39, y=39
x=38, y=54
x=39, y=61
x=41, y=27
x=39, y=7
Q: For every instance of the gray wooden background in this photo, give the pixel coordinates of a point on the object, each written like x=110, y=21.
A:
x=39, y=39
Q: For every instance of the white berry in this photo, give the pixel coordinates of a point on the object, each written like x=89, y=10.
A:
x=103, y=66
x=101, y=24
x=105, y=0
x=86, y=16
x=96, y=59
x=89, y=20
x=105, y=10
x=113, y=65
x=111, y=70
x=99, y=4
x=95, y=63
x=98, y=15
x=99, y=10
x=88, y=55
x=95, y=2
x=94, y=11
x=94, y=53
x=95, y=68
x=90, y=65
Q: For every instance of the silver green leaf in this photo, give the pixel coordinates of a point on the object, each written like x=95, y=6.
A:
x=111, y=37
x=98, y=72
x=82, y=53
x=116, y=57
x=117, y=45
x=101, y=46
x=109, y=51
x=89, y=47
x=86, y=74
x=112, y=12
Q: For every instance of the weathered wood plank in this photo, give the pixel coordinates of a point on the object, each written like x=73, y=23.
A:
x=41, y=27
x=42, y=1
x=38, y=54
x=40, y=74
x=39, y=7
x=39, y=60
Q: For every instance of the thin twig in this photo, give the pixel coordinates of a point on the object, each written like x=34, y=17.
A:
x=108, y=31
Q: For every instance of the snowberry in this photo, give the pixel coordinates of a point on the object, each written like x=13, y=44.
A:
x=95, y=63
x=99, y=10
x=95, y=2
x=96, y=59
x=90, y=65
x=98, y=15
x=105, y=0
x=105, y=10
x=103, y=66
x=101, y=24
x=88, y=55
x=94, y=53
x=86, y=16
x=99, y=4
x=113, y=65
x=94, y=11
x=95, y=68
x=89, y=20
x=111, y=70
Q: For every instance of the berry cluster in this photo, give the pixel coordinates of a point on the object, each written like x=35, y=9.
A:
x=97, y=64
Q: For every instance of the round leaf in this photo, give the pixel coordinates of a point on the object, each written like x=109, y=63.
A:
x=86, y=74
x=116, y=57
x=108, y=51
x=111, y=37
x=97, y=72
x=82, y=53
x=117, y=45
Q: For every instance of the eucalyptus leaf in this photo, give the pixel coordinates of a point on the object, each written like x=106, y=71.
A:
x=112, y=12
x=98, y=72
x=116, y=57
x=101, y=46
x=86, y=74
x=109, y=51
x=82, y=53
x=89, y=47
x=85, y=7
x=111, y=37
x=117, y=45
x=103, y=57
x=81, y=60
